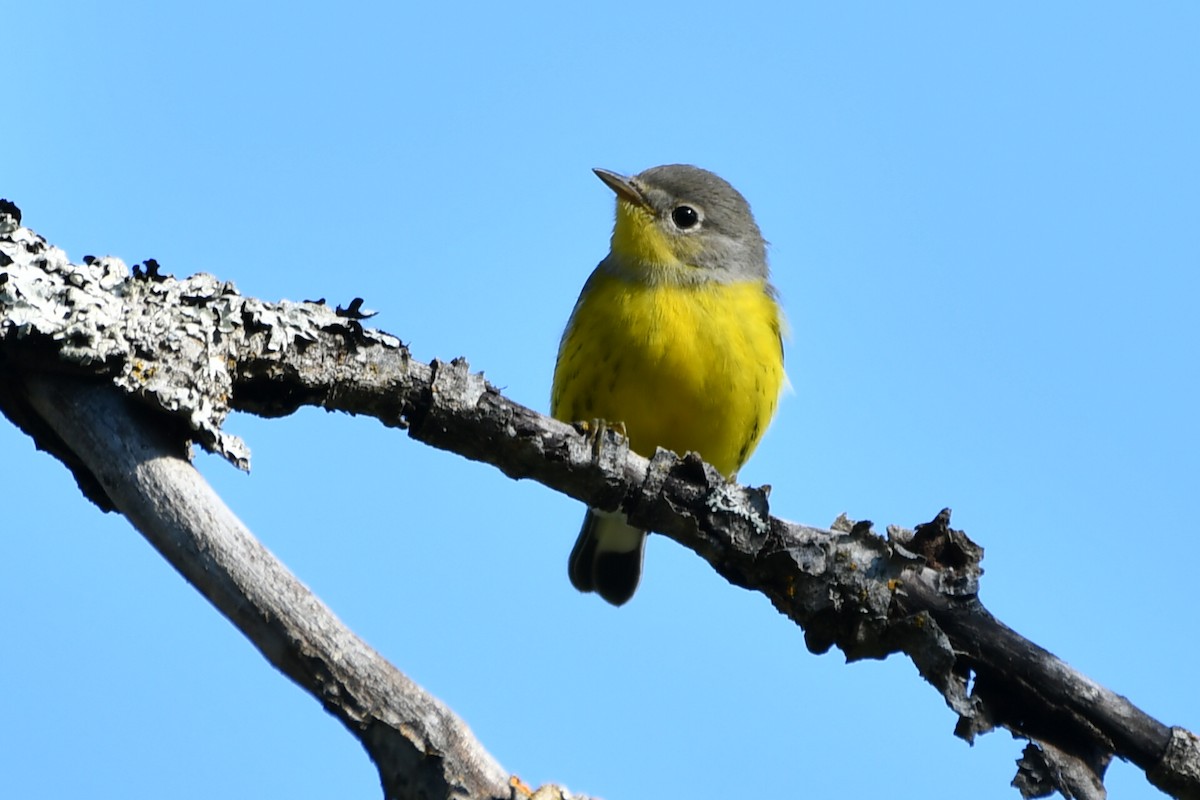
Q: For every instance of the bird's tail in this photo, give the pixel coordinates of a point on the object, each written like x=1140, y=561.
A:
x=607, y=557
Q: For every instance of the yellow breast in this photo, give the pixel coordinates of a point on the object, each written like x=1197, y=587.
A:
x=688, y=368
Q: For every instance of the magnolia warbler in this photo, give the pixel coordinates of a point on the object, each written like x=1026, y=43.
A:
x=676, y=338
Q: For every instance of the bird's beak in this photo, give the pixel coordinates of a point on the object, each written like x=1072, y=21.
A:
x=624, y=187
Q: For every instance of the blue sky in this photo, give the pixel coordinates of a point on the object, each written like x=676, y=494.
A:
x=984, y=231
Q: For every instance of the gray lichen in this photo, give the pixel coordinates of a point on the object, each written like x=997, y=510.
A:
x=173, y=343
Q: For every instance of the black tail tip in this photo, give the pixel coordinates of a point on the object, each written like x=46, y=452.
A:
x=615, y=575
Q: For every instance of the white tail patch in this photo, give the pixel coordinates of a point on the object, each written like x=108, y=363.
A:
x=614, y=534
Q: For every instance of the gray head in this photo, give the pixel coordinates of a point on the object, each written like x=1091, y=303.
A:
x=682, y=223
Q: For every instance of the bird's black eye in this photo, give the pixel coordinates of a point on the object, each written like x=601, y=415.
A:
x=685, y=217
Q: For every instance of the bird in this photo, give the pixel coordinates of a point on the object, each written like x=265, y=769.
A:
x=676, y=339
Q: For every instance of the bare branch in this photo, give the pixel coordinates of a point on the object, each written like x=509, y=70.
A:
x=195, y=349
x=420, y=746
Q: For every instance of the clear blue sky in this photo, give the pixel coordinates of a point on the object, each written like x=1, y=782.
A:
x=984, y=230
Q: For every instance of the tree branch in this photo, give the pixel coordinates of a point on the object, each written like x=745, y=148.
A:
x=421, y=748
x=194, y=349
